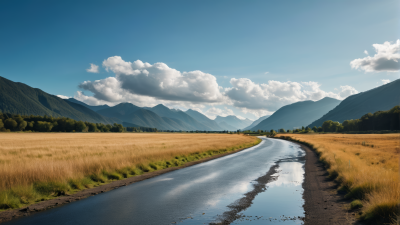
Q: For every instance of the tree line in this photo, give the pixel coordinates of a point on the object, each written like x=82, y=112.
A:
x=379, y=121
x=14, y=122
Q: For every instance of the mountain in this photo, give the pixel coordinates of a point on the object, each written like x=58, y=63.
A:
x=381, y=98
x=94, y=108
x=233, y=121
x=204, y=120
x=189, y=123
x=129, y=113
x=255, y=123
x=227, y=127
x=119, y=111
x=297, y=114
x=19, y=98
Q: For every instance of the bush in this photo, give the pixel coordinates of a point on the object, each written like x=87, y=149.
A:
x=356, y=204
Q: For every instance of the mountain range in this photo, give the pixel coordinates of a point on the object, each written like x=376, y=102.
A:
x=232, y=122
x=256, y=122
x=19, y=98
x=381, y=98
x=297, y=114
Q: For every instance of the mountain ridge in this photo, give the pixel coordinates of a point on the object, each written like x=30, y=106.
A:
x=381, y=98
x=297, y=114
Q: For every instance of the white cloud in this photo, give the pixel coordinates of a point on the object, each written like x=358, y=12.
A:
x=240, y=117
x=214, y=112
x=157, y=80
x=366, y=52
x=266, y=73
x=386, y=59
x=93, y=68
x=63, y=96
x=275, y=94
x=346, y=91
x=145, y=84
x=385, y=81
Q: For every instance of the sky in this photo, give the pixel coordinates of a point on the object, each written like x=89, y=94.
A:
x=243, y=58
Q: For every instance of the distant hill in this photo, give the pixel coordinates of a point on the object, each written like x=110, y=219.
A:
x=297, y=114
x=381, y=98
x=119, y=111
x=189, y=123
x=255, y=123
x=226, y=126
x=94, y=108
x=233, y=121
x=19, y=98
x=204, y=120
x=130, y=113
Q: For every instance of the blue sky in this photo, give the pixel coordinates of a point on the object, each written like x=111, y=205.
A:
x=50, y=45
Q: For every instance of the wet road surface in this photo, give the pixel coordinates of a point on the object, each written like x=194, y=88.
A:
x=198, y=194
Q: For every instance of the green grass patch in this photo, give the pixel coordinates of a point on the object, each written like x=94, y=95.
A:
x=356, y=204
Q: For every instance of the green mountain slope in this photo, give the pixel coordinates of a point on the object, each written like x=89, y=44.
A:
x=381, y=98
x=94, y=108
x=204, y=120
x=297, y=114
x=19, y=98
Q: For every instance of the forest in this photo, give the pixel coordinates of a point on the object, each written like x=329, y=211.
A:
x=379, y=121
x=15, y=122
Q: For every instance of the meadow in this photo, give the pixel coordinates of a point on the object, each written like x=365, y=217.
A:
x=365, y=165
x=38, y=166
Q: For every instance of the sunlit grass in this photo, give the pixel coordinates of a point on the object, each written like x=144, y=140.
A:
x=366, y=166
x=38, y=166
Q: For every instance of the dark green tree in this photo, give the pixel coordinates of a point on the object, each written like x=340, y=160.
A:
x=80, y=126
x=10, y=124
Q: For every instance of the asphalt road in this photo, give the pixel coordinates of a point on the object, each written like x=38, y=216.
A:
x=188, y=196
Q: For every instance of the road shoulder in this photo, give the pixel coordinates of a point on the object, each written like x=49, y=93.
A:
x=322, y=203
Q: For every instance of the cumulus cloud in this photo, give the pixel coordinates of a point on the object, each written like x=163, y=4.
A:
x=271, y=96
x=93, y=68
x=157, y=80
x=366, y=52
x=63, y=96
x=214, y=112
x=266, y=73
x=346, y=91
x=386, y=59
x=145, y=84
x=385, y=81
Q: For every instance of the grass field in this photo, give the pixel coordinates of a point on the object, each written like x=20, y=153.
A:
x=38, y=166
x=365, y=165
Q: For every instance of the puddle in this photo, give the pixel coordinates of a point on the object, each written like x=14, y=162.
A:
x=276, y=197
x=282, y=202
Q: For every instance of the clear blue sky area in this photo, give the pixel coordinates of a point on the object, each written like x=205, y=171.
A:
x=50, y=44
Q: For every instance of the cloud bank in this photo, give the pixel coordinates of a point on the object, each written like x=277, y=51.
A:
x=145, y=84
x=271, y=96
x=386, y=59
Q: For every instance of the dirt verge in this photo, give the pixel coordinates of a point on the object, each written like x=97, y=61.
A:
x=56, y=202
x=322, y=203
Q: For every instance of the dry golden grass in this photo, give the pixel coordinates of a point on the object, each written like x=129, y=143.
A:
x=366, y=165
x=29, y=159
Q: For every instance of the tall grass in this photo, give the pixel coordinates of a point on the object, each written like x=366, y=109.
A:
x=365, y=165
x=38, y=166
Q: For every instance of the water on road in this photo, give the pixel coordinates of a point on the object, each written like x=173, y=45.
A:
x=199, y=194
